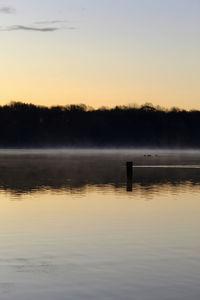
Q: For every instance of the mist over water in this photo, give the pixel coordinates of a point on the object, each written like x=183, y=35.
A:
x=72, y=226
x=23, y=171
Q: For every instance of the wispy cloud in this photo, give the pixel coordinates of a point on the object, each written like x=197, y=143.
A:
x=71, y=28
x=33, y=28
x=29, y=28
x=50, y=22
x=7, y=10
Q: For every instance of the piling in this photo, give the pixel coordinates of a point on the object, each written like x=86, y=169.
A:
x=129, y=169
x=129, y=172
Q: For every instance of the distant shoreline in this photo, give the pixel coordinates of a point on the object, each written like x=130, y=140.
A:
x=26, y=126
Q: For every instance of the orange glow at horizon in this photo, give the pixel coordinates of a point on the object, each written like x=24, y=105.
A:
x=137, y=54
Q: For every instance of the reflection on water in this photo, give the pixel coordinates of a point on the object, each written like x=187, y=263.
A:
x=74, y=171
x=80, y=230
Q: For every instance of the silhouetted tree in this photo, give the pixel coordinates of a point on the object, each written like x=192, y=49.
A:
x=28, y=125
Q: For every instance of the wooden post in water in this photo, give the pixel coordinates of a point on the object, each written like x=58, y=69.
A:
x=129, y=169
x=129, y=173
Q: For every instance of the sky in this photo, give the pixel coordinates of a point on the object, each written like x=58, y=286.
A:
x=100, y=52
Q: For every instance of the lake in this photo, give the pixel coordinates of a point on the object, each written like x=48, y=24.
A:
x=72, y=227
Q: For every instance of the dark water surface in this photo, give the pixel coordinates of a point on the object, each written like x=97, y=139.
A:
x=72, y=226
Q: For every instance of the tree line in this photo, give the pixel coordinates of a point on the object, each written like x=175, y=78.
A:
x=28, y=125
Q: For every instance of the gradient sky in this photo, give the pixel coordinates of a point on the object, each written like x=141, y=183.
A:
x=100, y=52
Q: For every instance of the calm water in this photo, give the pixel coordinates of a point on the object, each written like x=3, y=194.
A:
x=73, y=228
